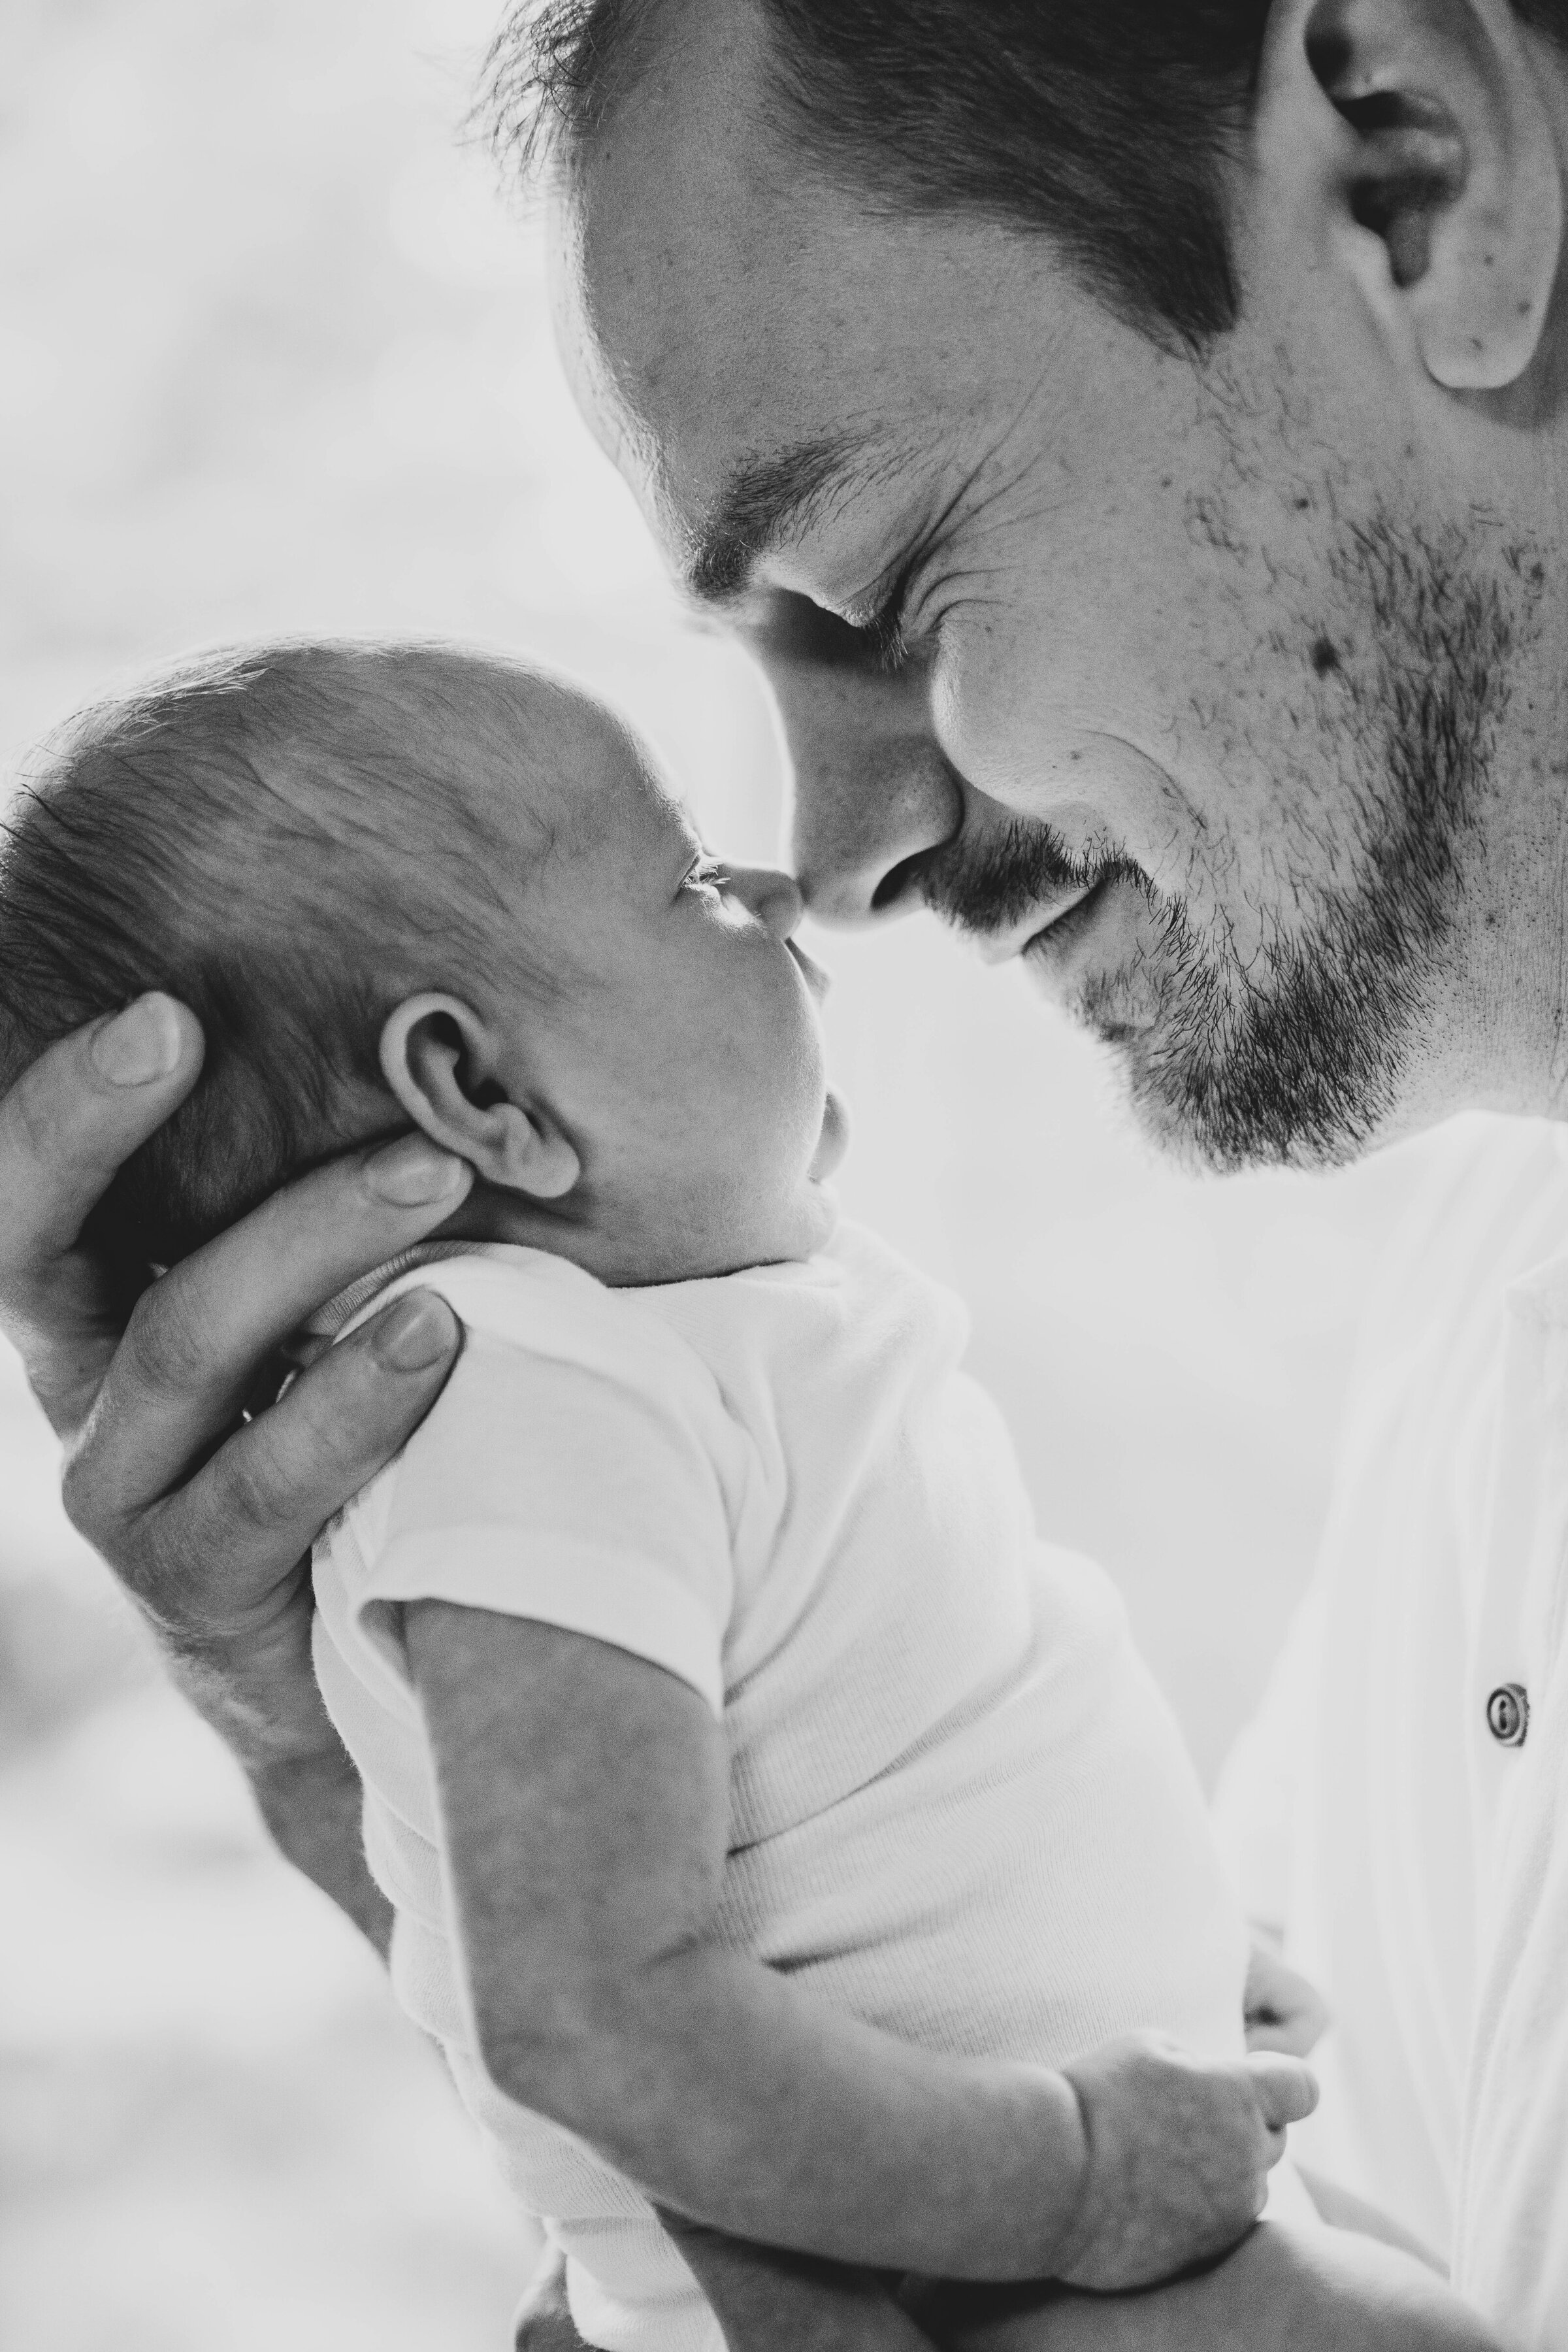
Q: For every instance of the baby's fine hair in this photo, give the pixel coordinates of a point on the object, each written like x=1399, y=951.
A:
x=290, y=840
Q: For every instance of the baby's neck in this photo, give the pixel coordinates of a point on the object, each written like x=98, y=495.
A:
x=622, y=1251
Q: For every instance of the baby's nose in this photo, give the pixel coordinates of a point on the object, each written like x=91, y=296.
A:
x=773, y=897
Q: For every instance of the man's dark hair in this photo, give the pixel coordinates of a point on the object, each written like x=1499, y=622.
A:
x=1104, y=122
x=279, y=839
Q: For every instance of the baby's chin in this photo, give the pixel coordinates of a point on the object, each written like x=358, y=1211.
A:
x=802, y=1225
x=833, y=1141
x=822, y=1214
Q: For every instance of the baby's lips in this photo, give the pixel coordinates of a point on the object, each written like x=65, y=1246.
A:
x=833, y=1141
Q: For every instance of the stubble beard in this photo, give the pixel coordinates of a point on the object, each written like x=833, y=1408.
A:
x=1302, y=1056
x=1305, y=1060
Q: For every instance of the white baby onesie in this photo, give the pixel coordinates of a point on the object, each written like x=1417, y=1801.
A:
x=960, y=1810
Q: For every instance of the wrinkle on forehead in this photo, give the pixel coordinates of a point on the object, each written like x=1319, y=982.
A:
x=740, y=328
x=719, y=296
x=704, y=363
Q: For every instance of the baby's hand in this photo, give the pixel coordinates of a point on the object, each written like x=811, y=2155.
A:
x=1179, y=2151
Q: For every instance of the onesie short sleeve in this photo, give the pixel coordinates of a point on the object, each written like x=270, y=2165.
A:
x=572, y=1473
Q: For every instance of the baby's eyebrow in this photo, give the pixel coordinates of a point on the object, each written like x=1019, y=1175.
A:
x=763, y=503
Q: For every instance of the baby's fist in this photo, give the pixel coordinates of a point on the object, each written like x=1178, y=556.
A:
x=1178, y=2156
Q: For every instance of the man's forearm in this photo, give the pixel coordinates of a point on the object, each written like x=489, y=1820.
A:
x=1282, y=2290
x=765, y=2301
x=312, y=1805
x=267, y=1708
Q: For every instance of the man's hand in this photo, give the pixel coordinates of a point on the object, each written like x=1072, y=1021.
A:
x=208, y=1517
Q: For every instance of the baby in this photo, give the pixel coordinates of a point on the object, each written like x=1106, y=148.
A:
x=779, y=1830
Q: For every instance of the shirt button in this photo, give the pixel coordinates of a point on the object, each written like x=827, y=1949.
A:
x=1508, y=1714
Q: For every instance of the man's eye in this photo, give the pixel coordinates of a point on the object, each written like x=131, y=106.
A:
x=791, y=629
x=709, y=874
x=884, y=626
x=885, y=630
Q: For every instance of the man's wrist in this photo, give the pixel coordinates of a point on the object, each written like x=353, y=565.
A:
x=240, y=1706
x=257, y=1690
x=313, y=1806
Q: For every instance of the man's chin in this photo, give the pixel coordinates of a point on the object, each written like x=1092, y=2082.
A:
x=1221, y=1107
x=1301, y=1060
x=1221, y=1117
x=1163, y=1118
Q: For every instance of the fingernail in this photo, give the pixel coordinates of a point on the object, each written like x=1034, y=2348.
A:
x=413, y=1171
x=139, y=1045
x=416, y=1333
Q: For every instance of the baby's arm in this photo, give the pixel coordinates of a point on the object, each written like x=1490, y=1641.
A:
x=584, y=1795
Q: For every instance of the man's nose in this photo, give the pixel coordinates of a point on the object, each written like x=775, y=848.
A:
x=873, y=796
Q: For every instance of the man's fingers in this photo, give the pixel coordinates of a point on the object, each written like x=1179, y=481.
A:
x=226, y=1543
x=1287, y=2091
x=67, y=1124
x=73, y=1118
x=196, y=1338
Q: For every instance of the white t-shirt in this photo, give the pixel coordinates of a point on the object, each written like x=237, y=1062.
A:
x=1416, y=1862
x=960, y=1809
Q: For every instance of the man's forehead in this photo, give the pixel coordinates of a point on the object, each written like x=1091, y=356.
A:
x=732, y=461
x=740, y=424
x=718, y=380
x=732, y=307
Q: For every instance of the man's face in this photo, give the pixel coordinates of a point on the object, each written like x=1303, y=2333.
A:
x=1178, y=679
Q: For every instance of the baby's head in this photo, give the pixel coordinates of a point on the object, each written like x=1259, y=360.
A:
x=416, y=885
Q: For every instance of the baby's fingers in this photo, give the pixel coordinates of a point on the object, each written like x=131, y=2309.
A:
x=1286, y=2090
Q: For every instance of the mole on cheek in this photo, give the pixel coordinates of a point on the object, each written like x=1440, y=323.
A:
x=1325, y=655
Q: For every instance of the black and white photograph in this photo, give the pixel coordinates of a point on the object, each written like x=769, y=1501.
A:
x=784, y=1176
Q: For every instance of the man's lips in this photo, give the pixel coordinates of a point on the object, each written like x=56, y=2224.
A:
x=1080, y=954
x=1072, y=918
x=1041, y=922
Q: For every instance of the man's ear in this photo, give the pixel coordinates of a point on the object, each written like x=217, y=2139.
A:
x=1420, y=143
x=438, y=1058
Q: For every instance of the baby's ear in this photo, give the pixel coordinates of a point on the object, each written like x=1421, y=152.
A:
x=439, y=1058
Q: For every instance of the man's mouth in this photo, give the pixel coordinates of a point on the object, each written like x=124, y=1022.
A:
x=1073, y=915
x=1044, y=914
x=1086, y=961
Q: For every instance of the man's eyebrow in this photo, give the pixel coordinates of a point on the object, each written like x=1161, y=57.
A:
x=761, y=503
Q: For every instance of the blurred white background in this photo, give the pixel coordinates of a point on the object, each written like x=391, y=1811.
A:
x=272, y=358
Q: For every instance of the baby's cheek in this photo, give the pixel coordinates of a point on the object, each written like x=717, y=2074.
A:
x=807, y=1095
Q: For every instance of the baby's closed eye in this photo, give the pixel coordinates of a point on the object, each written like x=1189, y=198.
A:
x=708, y=873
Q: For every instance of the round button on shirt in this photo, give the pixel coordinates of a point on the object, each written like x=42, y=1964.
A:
x=1508, y=1714
x=1386, y=1814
